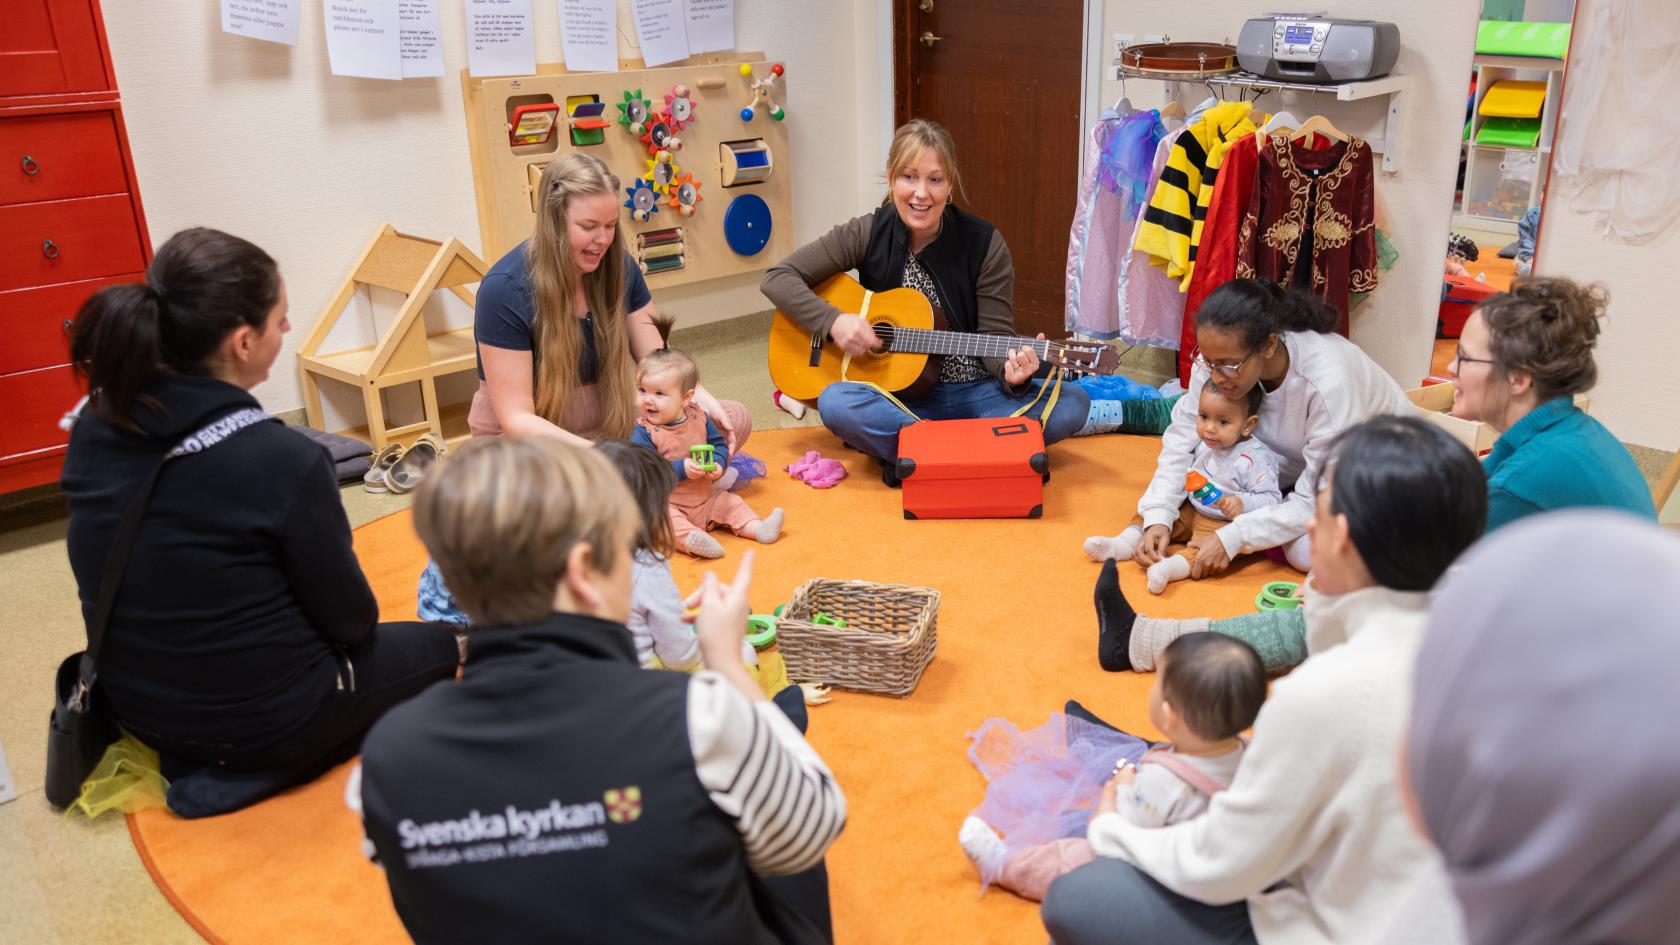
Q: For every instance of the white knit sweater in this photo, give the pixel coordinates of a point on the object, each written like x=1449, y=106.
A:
x=1314, y=802
x=1331, y=385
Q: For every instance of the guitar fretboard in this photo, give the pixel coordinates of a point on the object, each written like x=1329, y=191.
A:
x=926, y=341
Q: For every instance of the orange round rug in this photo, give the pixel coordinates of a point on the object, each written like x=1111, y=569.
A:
x=1016, y=639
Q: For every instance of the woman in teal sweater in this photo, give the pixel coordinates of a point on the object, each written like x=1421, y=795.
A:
x=1522, y=358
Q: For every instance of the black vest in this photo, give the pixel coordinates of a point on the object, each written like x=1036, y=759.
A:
x=954, y=259
x=550, y=796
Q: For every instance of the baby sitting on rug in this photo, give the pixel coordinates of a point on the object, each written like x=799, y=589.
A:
x=671, y=425
x=1208, y=689
x=1242, y=470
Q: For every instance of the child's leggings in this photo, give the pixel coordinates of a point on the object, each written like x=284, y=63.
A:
x=1028, y=873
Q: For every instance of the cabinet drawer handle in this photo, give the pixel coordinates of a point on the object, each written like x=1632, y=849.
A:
x=30, y=167
x=69, y=328
x=49, y=249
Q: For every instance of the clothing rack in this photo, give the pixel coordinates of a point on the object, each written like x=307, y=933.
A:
x=1393, y=87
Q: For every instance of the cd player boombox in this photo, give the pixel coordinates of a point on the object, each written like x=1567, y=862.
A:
x=1314, y=48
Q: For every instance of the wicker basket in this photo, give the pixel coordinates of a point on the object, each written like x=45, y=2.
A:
x=890, y=634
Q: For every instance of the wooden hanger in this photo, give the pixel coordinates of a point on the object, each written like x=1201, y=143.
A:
x=1321, y=125
x=1173, y=109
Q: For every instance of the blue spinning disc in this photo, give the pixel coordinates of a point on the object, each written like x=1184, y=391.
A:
x=746, y=224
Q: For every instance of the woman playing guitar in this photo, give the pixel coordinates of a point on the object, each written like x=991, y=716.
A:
x=919, y=239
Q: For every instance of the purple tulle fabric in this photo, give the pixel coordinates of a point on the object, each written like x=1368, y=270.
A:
x=1128, y=155
x=1042, y=784
x=747, y=468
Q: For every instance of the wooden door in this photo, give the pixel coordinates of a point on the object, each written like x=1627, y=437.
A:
x=50, y=47
x=1003, y=76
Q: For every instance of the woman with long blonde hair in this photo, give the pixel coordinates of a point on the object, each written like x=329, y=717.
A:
x=959, y=262
x=564, y=317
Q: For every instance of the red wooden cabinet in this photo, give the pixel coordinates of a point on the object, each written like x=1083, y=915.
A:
x=71, y=221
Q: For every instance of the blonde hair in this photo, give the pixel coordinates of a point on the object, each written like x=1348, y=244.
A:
x=910, y=140
x=503, y=513
x=665, y=357
x=557, y=336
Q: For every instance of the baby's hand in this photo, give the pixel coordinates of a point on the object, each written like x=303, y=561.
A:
x=1231, y=505
x=693, y=470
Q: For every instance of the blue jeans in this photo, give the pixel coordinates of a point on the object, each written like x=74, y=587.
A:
x=863, y=417
x=436, y=604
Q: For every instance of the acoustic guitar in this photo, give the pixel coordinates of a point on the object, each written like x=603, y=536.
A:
x=914, y=342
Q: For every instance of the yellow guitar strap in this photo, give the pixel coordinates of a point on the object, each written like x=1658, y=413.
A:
x=1055, y=388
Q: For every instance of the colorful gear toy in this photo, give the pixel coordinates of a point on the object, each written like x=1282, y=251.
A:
x=643, y=200
x=685, y=195
x=662, y=172
x=660, y=137
x=679, y=107
x=634, y=112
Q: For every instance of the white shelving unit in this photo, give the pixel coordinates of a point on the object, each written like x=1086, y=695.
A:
x=1502, y=183
x=1391, y=87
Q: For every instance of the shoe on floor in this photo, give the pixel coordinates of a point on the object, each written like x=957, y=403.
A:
x=374, y=478
x=415, y=463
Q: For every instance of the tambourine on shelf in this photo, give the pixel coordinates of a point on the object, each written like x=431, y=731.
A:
x=1169, y=60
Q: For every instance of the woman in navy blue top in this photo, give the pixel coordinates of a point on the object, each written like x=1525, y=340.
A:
x=564, y=317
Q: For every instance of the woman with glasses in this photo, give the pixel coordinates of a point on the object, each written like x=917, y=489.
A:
x=1316, y=385
x=1522, y=358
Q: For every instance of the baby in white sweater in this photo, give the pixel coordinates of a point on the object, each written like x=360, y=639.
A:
x=1208, y=689
x=1232, y=473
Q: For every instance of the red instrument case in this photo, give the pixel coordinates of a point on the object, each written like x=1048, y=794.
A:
x=988, y=468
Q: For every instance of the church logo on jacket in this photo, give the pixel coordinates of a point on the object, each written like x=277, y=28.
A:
x=624, y=805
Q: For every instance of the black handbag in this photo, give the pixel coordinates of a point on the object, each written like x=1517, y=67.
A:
x=82, y=725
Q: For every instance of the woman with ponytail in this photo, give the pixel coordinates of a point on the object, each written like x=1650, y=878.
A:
x=563, y=319
x=244, y=639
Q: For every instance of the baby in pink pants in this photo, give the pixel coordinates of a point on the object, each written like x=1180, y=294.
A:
x=1208, y=690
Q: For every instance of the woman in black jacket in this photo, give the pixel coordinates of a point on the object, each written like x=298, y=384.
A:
x=244, y=638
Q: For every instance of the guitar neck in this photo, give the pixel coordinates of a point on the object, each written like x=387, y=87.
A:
x=925, y=341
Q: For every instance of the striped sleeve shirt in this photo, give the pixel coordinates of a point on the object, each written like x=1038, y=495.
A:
x=1172, y=224
x=760, y=771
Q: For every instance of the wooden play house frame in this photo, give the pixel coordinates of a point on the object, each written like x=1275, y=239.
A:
x=405, y=353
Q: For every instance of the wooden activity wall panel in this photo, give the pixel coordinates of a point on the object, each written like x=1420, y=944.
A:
x=705, y=189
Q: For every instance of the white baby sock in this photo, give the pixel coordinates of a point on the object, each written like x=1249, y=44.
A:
x=1167, y=570
x=770, y=527
x=701, y=545
x=982, y=844
x=1120, y=547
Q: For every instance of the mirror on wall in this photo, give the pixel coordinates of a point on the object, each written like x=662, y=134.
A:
x=1513, y=92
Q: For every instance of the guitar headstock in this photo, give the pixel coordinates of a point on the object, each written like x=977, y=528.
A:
x=1084, y=357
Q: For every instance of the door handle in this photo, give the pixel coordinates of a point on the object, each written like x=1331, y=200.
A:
x=928, y=39
x=926, y=6
x=31, y=167
x=49, y=249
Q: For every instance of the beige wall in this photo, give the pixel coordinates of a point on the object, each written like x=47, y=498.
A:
x=261, y=140
x=1636, y=396
x=1397, y=325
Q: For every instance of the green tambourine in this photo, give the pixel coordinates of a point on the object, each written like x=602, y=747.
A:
x=761, y=630
x=1279, y=595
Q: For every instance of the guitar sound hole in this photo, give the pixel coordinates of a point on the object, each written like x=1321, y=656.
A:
x=883, y=330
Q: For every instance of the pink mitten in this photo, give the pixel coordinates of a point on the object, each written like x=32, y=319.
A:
x=816, y=472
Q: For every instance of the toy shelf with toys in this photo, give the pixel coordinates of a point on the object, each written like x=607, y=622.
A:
x=700, y=149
